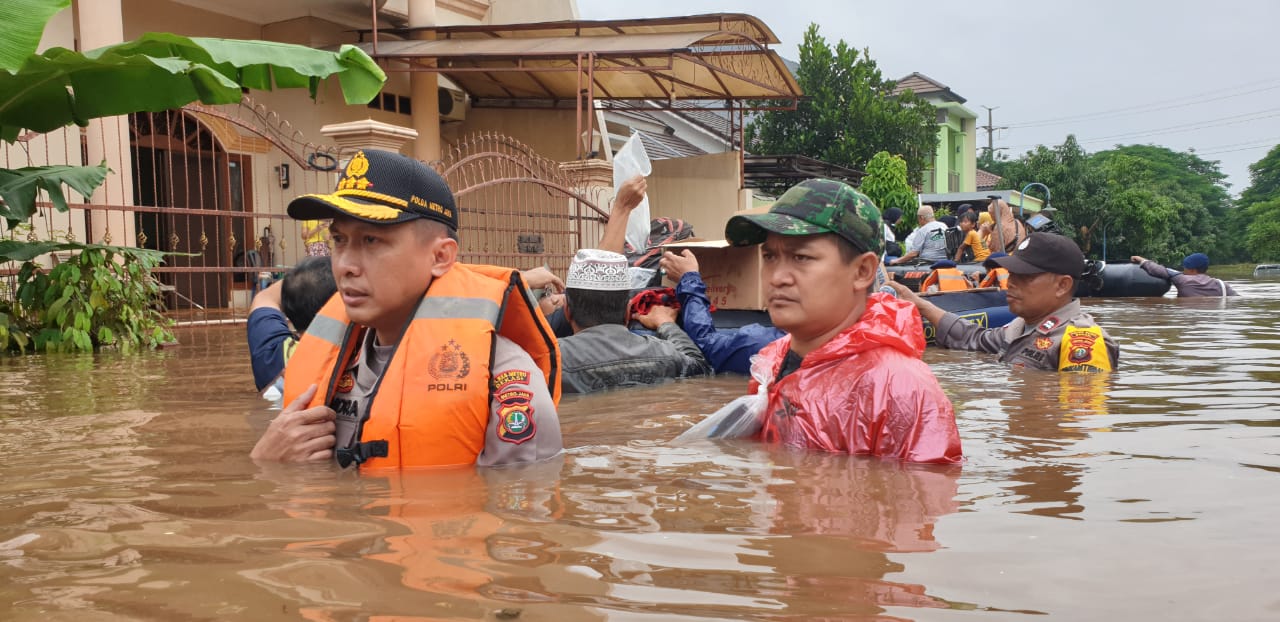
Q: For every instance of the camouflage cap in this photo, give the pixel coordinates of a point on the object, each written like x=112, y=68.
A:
x=810, y=207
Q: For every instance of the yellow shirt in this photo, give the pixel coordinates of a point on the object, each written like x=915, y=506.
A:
x=980, y=250
x=319, y=232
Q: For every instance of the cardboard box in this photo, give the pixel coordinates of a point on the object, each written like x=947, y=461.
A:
x=732, y=273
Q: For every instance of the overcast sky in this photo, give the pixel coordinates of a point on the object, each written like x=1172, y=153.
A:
x=1179, y=73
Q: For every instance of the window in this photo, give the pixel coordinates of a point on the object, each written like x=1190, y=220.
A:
x=392, y=103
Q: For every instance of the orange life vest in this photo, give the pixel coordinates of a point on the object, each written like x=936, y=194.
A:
x=996, y=277
x=947, y=280
x=431, y=405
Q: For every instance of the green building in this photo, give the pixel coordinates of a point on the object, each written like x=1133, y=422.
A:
x=955, y=164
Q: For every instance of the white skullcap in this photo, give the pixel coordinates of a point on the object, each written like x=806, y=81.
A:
x=598, y=270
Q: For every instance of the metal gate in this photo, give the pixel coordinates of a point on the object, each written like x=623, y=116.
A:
x=210, y=185
x=517, y=208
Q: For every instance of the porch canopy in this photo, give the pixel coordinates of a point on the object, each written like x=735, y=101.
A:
x=721, y=59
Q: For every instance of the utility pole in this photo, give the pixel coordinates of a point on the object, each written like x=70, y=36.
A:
x=991, y=132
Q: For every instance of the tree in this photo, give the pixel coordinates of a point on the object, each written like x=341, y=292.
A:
x=886, y=183
x=104, y=295
x=1197, y=190
x=848, y=113
x=1258, y=213
x=1139, y=199
x=1078, y=186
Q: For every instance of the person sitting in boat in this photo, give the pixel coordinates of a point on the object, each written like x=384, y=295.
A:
x=985, y=226
x=848, y=375
x=945, y=277
x=726, y=350
x=419, y=360
x=1007, y=232
x=602, y=353
x=928, y=242
x=996, y=275
x=972, y=239
x=892, y=249
x=1051, y=331
x=1193, y=281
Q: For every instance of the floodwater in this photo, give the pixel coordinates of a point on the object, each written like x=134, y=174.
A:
x=126, y=494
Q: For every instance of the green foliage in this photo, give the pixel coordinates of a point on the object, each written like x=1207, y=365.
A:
x=24, y=22
x=102, y=297
x=1186, y=193
x=1141, y=199
x=162, y=71
x=848, y=113
x=1078, y=186
x=886, y=183
x=18, y=187
x=1258, y=216
x=1263, y=236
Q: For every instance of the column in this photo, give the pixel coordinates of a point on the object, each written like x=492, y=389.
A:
x=100, y=23
x=423, y=88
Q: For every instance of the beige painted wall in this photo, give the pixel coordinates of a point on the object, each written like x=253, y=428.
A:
x=141, y=16
x=548, y=132
x=702, y=191
x=526, y=11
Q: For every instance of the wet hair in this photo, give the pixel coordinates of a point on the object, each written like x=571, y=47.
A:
x=305, y=289
x=590, y=307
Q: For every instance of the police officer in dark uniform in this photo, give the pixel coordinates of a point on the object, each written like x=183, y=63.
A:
x=1051, y=331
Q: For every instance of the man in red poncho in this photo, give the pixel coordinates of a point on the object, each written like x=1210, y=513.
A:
x=848, y=376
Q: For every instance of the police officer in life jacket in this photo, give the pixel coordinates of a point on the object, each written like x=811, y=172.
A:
x=1051, y=331
x=418, y=360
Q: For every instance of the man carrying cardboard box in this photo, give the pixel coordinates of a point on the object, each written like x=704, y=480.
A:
x=848, y=377
x=726, y=350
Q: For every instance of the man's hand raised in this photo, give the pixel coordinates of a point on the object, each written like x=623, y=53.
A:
x=676, y=265
x=298, y=433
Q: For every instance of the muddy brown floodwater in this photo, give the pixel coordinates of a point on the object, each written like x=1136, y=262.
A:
x=1150, y=494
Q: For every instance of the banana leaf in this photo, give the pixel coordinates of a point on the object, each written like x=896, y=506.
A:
x=24, y=22
x=18, y=187
x=162, y=71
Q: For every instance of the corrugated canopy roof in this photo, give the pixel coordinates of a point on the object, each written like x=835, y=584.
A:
x=705, y=57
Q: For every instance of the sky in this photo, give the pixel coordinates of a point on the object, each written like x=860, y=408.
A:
x=1183, y=74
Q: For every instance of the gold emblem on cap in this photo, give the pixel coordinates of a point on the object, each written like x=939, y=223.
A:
x=354, y=177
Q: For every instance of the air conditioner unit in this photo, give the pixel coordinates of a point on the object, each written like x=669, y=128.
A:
x=453, y=104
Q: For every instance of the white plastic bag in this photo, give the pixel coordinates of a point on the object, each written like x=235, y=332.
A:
x=640, y=277
x=629, y=161
x=741, y=418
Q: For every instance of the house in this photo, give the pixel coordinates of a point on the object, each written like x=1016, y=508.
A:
x=955, y=164
x=505, y=97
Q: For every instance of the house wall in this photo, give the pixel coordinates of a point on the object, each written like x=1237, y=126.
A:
x=702, y=191
x=957, y=150
x=548, y=132
x=531, y=11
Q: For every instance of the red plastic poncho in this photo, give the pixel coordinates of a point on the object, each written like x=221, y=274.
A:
x=864, y=392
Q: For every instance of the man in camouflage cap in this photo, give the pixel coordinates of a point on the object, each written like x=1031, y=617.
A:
x=848, y=376
x=812, y=207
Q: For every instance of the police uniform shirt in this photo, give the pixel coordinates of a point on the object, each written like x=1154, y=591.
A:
x=515, y=376
x=1020, y=345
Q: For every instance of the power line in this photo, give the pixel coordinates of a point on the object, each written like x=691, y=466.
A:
x=991, y=132
x=1256, y=115
x=1202, y=98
